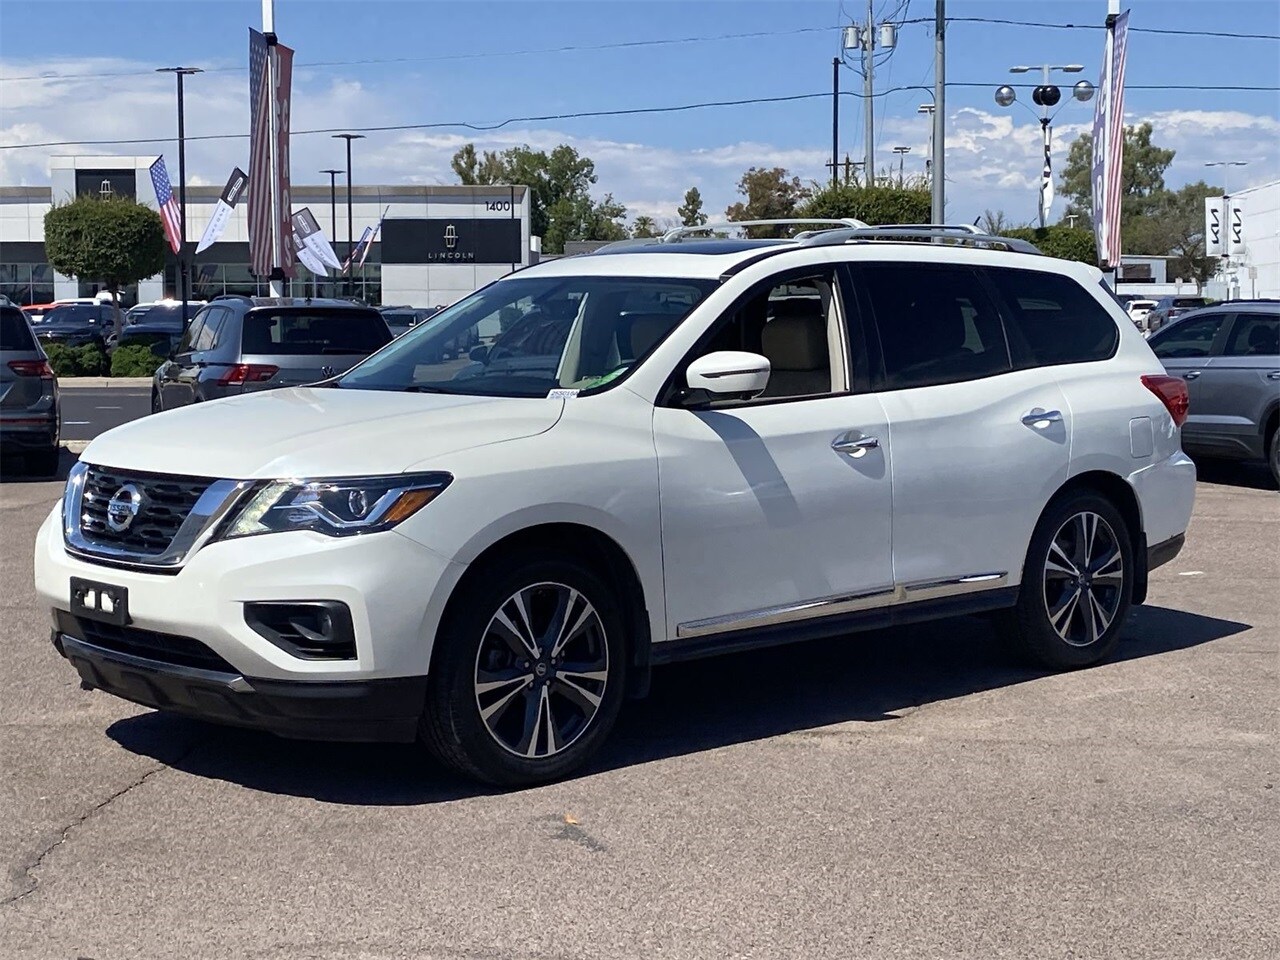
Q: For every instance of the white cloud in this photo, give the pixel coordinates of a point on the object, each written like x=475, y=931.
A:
x=993, y=158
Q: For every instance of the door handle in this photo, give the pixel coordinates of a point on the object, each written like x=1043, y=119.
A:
x=1274, y=375
x=1191, y=375
x=854, y=448
x=1040, y=419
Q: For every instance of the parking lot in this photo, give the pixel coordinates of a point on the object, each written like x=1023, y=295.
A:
x=899, y=794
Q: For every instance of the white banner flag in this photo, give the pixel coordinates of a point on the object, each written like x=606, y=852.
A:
x=312, y=239
x=231, y=195
x=1213, y=226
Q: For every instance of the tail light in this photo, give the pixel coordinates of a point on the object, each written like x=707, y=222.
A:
x=1172, y=392
x=239, y=373
x=32, y=368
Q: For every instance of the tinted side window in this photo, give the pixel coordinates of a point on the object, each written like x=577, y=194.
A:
x=192, y=332
x=14, y=332
x=936, y=324
x=1255, y=335
x=207, y=337
x=1054, y=319
x=1191, y=338
x=300, y=333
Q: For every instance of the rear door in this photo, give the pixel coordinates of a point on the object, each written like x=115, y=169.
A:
x=979, y=447
x=1240, y=384
x=1185, y=348
x=177, y=376
x=283, y=347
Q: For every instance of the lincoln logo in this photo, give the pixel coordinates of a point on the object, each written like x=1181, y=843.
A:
x=451, y=236
x=123, y=507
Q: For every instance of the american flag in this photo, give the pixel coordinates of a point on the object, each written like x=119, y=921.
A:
x=169, y=212
x=259, y=198
x=362, y=246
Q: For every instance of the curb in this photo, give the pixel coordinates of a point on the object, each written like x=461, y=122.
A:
x=71, y=383
x=76, y=446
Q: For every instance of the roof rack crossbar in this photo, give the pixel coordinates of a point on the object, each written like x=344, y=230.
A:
x=925, y=233
x=674, y=235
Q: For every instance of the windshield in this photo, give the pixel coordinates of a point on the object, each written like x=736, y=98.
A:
x=75, y=314
x=526, y=336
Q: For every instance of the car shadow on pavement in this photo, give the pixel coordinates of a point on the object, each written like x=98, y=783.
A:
x=14, y=468
x=692, y=707
x=1255, y=475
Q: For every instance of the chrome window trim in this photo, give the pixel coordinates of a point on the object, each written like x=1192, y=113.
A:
x=842, y=603
x=210, y=509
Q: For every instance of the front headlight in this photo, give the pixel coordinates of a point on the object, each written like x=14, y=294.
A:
x=338, y=508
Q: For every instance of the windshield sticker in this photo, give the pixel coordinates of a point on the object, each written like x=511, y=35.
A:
x=562, y=394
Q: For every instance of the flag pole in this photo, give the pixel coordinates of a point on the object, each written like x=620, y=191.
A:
x=269, y=31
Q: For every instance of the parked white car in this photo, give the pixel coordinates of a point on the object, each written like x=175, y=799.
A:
x=655, y=452
x=1138, y=311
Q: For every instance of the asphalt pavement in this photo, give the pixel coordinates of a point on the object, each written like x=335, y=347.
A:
x=89, y=411
x=908, y=793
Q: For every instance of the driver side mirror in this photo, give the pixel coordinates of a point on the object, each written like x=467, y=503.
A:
x=479, y=354
x=728, y=374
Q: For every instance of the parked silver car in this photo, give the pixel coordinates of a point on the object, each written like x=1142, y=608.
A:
x=240, y=344
x=29, y=419
x=1229, y=354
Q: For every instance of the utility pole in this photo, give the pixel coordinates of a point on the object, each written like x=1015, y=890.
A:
x=868, y=92
x=835, y=117
x=937, y=173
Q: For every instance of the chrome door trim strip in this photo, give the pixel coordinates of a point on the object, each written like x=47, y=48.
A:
x=842, y=603
x=785, y=613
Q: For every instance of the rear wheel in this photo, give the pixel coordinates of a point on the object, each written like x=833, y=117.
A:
x=1273, y=456
x=529, y=672
x=156, y=406
x=1077, y=584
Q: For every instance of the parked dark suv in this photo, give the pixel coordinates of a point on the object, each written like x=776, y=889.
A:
x=239, y=345
x=1229, y=355
x=77, y=324
x=28, y=395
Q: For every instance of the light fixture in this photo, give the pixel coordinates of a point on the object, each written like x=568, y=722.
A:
x=1083, y=91
x=1005, y=95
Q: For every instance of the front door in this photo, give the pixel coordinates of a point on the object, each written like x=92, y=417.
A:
x=1239, y=384
x=777, y=509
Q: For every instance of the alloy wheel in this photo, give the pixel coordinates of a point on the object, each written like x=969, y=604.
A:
x=541, y=670
x=1083, y=579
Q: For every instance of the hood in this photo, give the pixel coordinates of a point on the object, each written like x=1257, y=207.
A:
x=317, y=432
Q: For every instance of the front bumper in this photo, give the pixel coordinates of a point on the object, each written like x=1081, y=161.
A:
x=368, y=710
x=395, y=588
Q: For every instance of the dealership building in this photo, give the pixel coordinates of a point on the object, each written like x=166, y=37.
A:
x=437, y=243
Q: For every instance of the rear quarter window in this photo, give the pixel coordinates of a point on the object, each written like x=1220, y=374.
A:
x=1053, y=319
x=14, y=332
x=304, y=333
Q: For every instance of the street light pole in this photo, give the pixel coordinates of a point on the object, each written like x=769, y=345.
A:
x=937, y=173
x=835, y=118
x=333, y=209
x=902, y=160
x=184, y=272
x=350, y=235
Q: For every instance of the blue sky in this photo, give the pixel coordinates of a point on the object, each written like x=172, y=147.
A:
x=462, y=61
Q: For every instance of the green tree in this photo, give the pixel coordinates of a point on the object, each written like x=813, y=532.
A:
x=690, y=211
x=1180, y=222
x=559, y=182
x=1065, y=243
x=873, y=205
x=644, y=227
x=114, y=240
x=772, y=193
x=995, y=223
x=1141, y=180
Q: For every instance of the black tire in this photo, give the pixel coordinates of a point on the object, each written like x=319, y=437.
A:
x=156, y=405
x=1045, y=626
x=44, y=463
x=1273, y=455
x=469, y=646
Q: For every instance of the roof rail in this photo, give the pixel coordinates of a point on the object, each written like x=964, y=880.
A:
x=672, y=236
x=924, y=233
x=956, y=227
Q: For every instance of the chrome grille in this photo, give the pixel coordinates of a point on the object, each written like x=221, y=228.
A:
x=166, y=502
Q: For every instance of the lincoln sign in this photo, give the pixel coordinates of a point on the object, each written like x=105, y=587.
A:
x=455, y=240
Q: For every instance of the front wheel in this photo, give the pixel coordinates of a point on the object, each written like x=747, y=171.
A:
x=1077, y=584
x=156, y=405
x=528, y=674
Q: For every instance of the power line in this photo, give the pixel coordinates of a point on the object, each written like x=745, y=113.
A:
x=584, y=114
x=1098, y=26
x=479, y=55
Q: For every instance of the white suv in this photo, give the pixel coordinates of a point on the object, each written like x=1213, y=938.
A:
x=656, y=452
